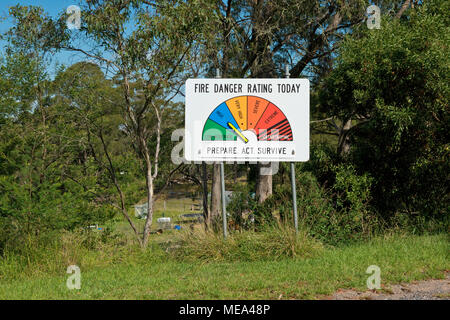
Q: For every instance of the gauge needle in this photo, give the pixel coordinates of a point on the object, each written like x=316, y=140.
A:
x=237, y=132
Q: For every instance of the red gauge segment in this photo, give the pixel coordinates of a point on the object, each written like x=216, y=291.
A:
x=273, y=125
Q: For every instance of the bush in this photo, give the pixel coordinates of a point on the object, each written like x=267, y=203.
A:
x=334, y=215
x=393, y=83
x=333, y=200
x=352, y=201
x=246, y=213
x=339, y=213
x=241, y=207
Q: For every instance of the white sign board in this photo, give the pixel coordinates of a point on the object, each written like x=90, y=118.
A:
x=247, y=120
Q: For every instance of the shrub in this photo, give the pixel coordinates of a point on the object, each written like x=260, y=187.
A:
x=352, y=201
x=246, y=213
x=393, y=84
x=335, y=215
x=241, y=207
x=333, y=200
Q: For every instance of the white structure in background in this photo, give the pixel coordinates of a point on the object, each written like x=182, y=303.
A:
x=141, y=210
x=164, y=223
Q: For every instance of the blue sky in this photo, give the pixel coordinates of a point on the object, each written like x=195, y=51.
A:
x=53, y=8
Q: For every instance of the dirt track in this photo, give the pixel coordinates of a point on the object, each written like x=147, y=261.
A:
x=419, y=290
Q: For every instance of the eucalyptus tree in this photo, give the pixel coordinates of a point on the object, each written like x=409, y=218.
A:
x=394, y=84
x=27, y=115
x=103, y=153
x=36, y=195
x=257, y=38
x=150, y=47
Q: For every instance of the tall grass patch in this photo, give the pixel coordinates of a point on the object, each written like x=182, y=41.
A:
x=274, y=243
x=89, y=250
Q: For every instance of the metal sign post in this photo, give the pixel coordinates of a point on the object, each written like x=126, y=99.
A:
x=222, y=185
x=224, y=209
x=294, y=189
x=294, y=196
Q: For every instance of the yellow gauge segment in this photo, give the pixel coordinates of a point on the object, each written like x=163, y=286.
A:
x=238, y=108
x=237, y=132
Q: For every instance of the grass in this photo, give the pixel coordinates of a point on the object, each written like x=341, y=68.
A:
x=276, y=243
x=127, y=273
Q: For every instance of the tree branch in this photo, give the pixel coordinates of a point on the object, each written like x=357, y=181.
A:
x=405, y=6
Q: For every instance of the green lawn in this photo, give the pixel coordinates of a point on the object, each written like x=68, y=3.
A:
x=401, y=259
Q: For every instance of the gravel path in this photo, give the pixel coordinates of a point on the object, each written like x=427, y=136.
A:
x=419, y=290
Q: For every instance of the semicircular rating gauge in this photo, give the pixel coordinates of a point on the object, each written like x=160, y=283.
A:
x=236, y=117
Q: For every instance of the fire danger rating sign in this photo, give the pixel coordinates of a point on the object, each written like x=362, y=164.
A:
x=247, y=120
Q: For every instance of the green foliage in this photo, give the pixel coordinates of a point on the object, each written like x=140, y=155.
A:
x=241, y=205
x=352, y=201
x=35, y=33
x=394, y=83
x=76, y=149
x=47, y=180
x=337, y=215
x=18, y=76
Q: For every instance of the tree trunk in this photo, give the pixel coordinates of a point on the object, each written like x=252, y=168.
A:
x=264, y=182
x=113, y=177
x=150, y=192
x=403, y=8
x=344, y=139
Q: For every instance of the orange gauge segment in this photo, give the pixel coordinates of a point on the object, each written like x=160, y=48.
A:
x=238, y=108
x=256, y=108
